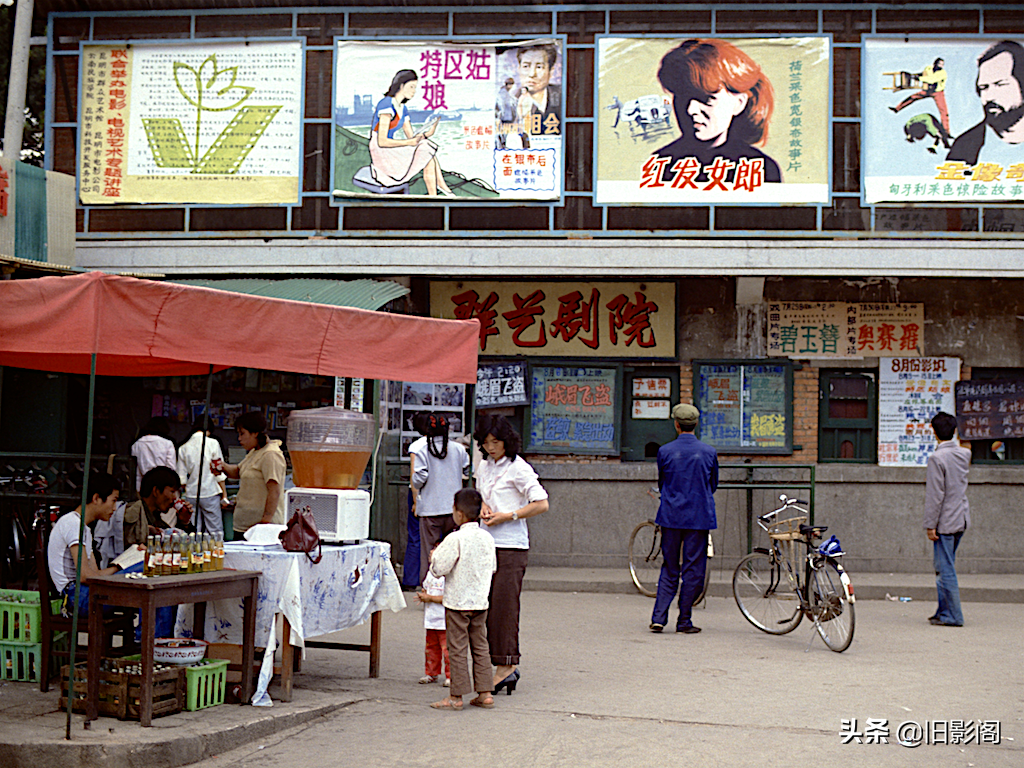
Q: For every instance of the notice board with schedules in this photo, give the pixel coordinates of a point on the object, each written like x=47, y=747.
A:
x=746, y=406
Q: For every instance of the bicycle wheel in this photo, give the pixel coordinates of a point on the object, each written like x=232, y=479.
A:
x=763, y=596
x=831, y=606
x=645, y=557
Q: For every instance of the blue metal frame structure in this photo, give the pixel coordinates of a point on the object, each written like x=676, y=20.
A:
x=555, y=11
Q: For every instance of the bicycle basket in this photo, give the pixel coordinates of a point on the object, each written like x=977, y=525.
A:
x=832, y=548
x=787, y=530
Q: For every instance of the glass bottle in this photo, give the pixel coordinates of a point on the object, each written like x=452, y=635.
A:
x=183, y=566
x=207, y=553
x=150, y=568
x=165, y=561
x=175, y=555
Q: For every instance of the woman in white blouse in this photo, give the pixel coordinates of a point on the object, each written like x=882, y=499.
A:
x=511, y=493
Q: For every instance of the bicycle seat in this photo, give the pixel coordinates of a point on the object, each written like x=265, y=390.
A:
x=813, y=531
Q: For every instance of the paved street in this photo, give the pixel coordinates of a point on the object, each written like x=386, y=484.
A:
x=598, y=689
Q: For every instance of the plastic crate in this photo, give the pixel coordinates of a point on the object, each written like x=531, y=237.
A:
x=205, y=684
x=20, y=662
x=20, y=619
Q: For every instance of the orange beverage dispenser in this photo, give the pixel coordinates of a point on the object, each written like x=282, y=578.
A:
x=330, y=448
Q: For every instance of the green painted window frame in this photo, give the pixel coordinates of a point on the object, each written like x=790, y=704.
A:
x=832, y=430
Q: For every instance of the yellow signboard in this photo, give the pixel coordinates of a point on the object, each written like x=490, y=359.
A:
x=564, y=319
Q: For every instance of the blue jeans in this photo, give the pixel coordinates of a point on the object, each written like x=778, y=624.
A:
x=411, y=563
x=946, y=584
x=684, y=553
x=165, y=617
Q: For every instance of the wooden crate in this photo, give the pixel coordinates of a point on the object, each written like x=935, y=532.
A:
x=120, y=691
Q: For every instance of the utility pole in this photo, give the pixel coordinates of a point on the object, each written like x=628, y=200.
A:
x=14, y=125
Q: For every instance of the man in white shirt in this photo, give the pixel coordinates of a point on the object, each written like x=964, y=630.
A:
x=194, y=457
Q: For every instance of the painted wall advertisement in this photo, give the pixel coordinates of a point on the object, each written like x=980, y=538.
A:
x=836, y=329
x=911, y=390
x=203, y=122
x=704, y=121
x=942, y=120
x=449, y=120
x=569, y=319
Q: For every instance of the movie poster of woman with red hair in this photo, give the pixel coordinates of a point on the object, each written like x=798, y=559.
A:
x=709, y=120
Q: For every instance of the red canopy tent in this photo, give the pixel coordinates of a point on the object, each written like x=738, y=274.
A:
x=121, y=326
x=146, y=328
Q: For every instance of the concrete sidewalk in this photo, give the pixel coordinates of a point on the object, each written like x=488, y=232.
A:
x=32, y=728
x=974, y=588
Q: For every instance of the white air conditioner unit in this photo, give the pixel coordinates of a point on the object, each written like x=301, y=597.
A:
x=339, y=515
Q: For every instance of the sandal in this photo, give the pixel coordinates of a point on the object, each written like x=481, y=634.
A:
x=447, y=703
x=480, y=701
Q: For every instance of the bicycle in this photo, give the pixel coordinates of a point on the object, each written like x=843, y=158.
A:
x=822, y=592
x=645, y=556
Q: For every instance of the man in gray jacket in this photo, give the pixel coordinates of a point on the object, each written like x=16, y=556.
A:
x=947, y=515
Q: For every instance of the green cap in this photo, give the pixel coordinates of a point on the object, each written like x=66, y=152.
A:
x=685, y=414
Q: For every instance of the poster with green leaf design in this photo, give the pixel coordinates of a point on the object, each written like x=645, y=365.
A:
x=210, y=122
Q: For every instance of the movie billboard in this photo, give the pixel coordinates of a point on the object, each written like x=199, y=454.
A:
x=943, y=120
x=709, y=121
x=448, y=121
x=197, y=122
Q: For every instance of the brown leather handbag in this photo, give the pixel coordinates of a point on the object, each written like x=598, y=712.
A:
x=301, y=535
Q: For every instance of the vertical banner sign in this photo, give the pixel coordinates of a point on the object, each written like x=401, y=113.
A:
x=706, y=121
x=448, y=120
x=910, y=391
x=190, y=123
x=743, y=407
x=572, y=410
x=501, y=385
x=942, y=119
x=990, y=410
x=837, y=329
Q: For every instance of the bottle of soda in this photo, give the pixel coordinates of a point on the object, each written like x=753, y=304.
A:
x=190, y=553
x=165, y=542
x=183, y=563
x=207, y=553
x=150, y=568
x=219, y=553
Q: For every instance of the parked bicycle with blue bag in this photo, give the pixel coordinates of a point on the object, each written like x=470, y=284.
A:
x=774, y=592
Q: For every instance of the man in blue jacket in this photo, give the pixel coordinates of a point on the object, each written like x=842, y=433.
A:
x=687, y=477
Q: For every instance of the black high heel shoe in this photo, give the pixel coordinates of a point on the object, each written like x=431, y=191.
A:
x=509, y=683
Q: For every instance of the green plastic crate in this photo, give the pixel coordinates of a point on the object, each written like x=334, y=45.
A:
x=20, y=661
x=205, y=684
x=20, y=619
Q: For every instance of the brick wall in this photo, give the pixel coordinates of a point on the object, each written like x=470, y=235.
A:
x=805, y=417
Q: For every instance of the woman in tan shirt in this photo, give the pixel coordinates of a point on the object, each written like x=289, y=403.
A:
x=260, y=474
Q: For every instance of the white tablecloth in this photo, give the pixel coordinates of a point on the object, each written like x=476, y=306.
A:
x=343, y=590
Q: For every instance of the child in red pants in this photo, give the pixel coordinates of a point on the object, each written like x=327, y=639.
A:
x=433, y=622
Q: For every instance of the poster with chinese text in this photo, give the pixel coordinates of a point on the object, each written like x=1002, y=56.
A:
x=990, y=409
x=501, y=385
x=198, y=122
x=708, y=121
x=744, y=407
x=572, y=410
x=943, y=120
x=837, y=329
x=448, y=120
x=911, y=390
x=571, y=319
